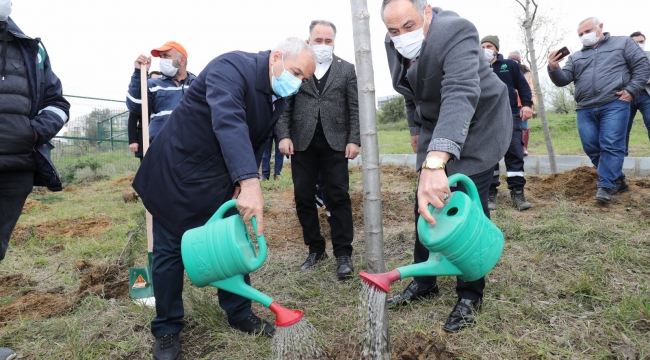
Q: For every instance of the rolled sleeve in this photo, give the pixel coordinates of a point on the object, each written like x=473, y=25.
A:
x=445, y=145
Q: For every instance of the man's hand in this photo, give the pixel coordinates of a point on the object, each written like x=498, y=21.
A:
x=143, y=59
x=432, y=188
x=286, y=146
x=625, y=96
x=414, y=143
x=351, y=151
x=526, y=113
x=250, y=202
x=554, y=59
x=134, y=147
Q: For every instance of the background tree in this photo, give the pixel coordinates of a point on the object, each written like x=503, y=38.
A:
x=392, y=111
x=90, y=122
x=561, y=99
x=544, y=32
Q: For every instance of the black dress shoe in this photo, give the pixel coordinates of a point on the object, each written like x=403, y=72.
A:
x=313, y=259
x=254, y=325
x=463, y=315
x=413, y=291
x=344, y=267
x=167, y=347
x=620, y=186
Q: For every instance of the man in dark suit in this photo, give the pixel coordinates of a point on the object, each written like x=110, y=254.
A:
x=459, y=116
x=320, y=130
x=208, y=152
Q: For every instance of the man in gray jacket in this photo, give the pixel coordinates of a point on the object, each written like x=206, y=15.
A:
x=458, y=112
x=642, y=101
x=609, y=72
x=320, y=130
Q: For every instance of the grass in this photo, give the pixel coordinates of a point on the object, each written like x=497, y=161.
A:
x=394, y=138
x=574, y=279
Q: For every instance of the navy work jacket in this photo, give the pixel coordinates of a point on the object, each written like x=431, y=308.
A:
x=214, y=138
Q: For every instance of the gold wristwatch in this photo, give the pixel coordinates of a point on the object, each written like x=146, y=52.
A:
x=433, y=163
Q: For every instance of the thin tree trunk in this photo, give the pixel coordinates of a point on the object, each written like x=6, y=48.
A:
x=373, y=232
x=541, y=109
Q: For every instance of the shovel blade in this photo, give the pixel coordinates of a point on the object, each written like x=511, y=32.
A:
x=140, y=284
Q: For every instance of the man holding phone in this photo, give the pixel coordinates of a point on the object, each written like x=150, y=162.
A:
x=608, y=72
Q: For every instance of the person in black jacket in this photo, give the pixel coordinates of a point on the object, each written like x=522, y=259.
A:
x=135, y=125
x=510, y=73
x=32, y=111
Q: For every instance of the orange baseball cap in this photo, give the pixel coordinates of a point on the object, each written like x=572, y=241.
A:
x=168, y=46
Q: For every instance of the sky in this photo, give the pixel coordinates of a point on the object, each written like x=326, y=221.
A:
x=93, y=44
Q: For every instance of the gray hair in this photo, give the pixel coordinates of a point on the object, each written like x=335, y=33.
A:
x=594, y=19
x=419, y=5
x=321, y=22
x=292, y=47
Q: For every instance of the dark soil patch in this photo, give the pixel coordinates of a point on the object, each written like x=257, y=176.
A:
x=35, y=306
x=108, y=281
x=70, y=188
x=126, y=179
x=70, y=228
x=11, y=284
x=32, y=204
x=55, y=249
x=417, y=347
x=577, y=185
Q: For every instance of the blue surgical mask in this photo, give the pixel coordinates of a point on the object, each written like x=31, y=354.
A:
x=285, y=85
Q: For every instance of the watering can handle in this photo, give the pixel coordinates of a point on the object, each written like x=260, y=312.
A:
x=261, y=244
x=470, y=187
x=222, y=210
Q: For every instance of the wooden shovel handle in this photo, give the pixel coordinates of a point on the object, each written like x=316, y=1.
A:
x=144, y=95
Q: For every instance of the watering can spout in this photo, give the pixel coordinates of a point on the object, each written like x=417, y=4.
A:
x=237, y=285
x=381, y=281
x=284, y=316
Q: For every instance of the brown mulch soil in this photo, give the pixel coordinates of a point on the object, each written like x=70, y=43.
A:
x=416, y=347
x=32, y=204
x=31, y=303
x=127, y=179
x=69, y=228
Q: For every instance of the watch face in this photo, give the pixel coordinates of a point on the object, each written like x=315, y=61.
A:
x=433, y=163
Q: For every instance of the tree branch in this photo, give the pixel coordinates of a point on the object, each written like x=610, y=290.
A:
x=522, y=5
x=532, y=19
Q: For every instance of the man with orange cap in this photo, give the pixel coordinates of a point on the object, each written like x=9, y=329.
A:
x=164, y=93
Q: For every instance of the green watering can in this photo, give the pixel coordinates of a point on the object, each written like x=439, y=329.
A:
x=221, y=252
x=463, y=242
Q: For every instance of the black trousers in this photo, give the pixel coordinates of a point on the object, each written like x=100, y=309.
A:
x=168, y=271
x=14, y=189
x=465, y=290
x=514, y=158
x=333, y=165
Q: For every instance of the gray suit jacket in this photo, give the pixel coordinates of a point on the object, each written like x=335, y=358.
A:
x=454, y=101
x=647, y=86
x=338, y=106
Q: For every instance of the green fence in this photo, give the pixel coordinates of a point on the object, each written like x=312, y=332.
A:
x=94, y=142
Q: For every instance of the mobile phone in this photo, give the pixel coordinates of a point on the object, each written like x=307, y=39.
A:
x=564, y=51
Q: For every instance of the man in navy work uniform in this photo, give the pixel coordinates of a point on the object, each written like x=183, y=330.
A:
x=509, y=72
x=209, y=152
x=163, y=93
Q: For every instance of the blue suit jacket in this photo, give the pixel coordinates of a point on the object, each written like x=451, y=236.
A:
x=213, y=139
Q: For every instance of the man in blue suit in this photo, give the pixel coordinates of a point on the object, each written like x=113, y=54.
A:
x=208, y=152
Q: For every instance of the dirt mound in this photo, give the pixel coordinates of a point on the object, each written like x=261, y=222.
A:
x=420, y=348
x=12, y=283
x=577, y=185
x=70, y=188
x=104, y=280
x=32, y=204
x=71, y=228
x=126, y=179
x=35, y=306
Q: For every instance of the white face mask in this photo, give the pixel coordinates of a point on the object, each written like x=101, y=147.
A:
x=590, y=39
x=167, y=67
x=489, y=54
x=5, y=9
x=323, y=53
x=409, y=44
x=642, y=46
